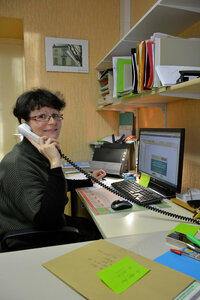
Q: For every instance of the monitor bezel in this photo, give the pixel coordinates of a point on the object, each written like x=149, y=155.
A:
x=164, y=188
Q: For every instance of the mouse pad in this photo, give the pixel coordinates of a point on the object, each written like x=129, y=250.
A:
x=100, y=201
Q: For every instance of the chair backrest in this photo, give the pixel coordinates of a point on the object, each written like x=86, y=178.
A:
x=34, y=238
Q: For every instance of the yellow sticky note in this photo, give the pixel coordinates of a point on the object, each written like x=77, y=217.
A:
x=122, y=274
x=144, y=180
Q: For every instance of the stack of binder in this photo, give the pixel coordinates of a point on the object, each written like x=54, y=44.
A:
x=105, y=83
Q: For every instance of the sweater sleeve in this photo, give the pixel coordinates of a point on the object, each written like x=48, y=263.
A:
x=53, y=202
x=74, y=184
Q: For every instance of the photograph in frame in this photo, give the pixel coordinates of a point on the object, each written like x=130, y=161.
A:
x=66, y=55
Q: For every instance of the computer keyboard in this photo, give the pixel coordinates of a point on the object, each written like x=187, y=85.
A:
x=137, y=192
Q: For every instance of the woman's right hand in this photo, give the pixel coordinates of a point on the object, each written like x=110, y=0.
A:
x=49, y=148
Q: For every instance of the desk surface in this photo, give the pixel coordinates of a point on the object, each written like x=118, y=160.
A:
x=22, y=276
x=129, y=223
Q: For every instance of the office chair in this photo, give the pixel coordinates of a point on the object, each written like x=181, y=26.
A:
x=35, y=238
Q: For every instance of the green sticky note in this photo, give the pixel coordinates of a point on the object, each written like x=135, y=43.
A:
x=122, y=274
x=186, y=228
x=144, y=180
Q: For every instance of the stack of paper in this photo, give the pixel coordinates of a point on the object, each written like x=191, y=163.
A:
x=68, y=168
x=105, y=82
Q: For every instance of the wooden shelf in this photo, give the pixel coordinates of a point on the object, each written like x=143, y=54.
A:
x=157, y=97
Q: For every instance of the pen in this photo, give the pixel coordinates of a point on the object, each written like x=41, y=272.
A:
x=193, y=239
x=194, y=255
x=193, y=248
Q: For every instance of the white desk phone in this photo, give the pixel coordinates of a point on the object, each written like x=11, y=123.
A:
x=25, y=130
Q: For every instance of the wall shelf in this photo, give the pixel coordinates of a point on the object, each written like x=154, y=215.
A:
x=166, y=16
x=157, y=96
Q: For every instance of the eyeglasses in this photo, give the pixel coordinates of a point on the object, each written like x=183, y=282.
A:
x=46, y=118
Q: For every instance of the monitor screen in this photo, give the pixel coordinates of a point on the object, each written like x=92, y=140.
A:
x=161, y=156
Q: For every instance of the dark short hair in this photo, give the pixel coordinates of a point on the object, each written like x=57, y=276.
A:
x=35, y=99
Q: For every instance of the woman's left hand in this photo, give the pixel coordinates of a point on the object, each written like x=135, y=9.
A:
x=99, y=174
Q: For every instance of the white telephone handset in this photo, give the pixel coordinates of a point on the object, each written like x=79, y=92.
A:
x=25, y=130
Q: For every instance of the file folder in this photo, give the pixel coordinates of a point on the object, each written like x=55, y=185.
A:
x=79, y=270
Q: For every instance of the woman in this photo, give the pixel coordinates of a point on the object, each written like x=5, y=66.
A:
x=32, y=185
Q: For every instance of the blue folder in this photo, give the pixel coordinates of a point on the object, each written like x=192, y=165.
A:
x=180, y=263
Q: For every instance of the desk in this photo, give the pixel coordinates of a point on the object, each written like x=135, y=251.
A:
x=22, y=276
x=129, y=223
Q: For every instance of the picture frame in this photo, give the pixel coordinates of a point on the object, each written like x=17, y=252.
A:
x=66, y=55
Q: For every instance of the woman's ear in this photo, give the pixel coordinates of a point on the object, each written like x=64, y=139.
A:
x=22, y=121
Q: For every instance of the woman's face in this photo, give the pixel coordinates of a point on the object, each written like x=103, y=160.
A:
x=50, y=128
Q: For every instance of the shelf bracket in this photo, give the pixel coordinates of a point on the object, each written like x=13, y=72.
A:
x=164, y=110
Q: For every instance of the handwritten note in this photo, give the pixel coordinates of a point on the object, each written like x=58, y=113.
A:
x=122, y=274
x=144, y=180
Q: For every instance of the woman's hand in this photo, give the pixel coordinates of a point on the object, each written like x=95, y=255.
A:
x=49, y=148
x=99, y=174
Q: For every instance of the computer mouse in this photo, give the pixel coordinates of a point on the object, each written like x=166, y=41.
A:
x=120, y=204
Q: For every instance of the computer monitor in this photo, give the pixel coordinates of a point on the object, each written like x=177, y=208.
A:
x=161, y=156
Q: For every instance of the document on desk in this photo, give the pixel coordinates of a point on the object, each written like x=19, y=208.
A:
x=100, y=199
x=79, y=269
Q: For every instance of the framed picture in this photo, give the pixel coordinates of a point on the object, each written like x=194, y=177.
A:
x=66, y=55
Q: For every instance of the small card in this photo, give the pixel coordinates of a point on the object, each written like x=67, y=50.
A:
x=185, y=228
x=122, y=274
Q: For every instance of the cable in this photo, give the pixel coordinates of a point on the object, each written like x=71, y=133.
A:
x=153, y=208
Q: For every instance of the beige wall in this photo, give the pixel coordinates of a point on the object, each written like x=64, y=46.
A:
x=93, y=20
x=12, y=83
x=184, y=113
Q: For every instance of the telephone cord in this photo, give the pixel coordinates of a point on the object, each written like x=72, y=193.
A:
x=150, y=207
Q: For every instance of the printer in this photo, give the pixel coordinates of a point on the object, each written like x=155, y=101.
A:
x=113, y=158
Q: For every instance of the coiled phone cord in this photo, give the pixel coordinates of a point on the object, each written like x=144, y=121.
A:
x=153, y=208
